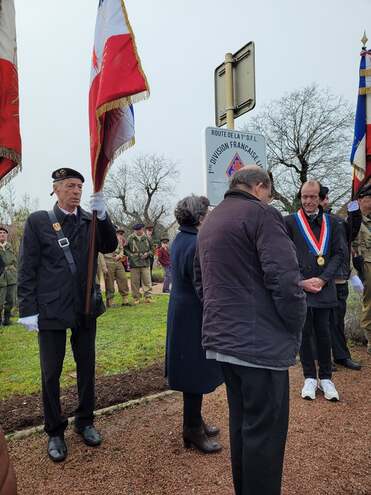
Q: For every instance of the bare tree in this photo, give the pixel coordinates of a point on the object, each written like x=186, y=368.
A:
x=308, y=134
x=141, y=191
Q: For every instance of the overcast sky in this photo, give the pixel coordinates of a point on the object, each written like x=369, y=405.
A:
x=180, y=43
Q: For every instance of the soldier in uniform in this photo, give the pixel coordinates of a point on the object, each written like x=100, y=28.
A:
x=8, y=279
x=52, y=281
x=115, y=271
x=138, y=249
x=362, y=251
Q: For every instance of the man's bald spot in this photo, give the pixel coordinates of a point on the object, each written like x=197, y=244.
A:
x=311, y=184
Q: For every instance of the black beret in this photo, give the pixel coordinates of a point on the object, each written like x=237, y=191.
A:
x=4, y=229
x=66, y=173
x=364, y=191
x=138, y=226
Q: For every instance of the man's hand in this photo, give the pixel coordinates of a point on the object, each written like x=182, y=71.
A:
x=30, y=322
x=98, y=204
x=311, y=285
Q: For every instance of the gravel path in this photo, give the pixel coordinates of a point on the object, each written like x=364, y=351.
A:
x=327, y=451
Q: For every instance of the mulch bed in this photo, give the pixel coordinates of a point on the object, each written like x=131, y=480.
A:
x=19, y=412
x=327, y=451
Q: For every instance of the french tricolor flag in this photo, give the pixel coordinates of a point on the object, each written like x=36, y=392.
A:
x=117, y=81
x=361, y=150
x=10, y=138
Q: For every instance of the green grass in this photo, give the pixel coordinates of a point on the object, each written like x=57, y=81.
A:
x=127, y=338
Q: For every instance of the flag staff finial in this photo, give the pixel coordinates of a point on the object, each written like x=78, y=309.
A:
x=364, y=39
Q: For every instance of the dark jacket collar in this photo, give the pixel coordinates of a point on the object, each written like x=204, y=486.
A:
x=239, y=193
x=82, y=215
x=189, y=229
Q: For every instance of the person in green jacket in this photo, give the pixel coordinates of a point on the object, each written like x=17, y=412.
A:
x=138, y=249
x=8, y=279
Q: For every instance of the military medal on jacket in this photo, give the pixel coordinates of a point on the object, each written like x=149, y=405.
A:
x=317, y=247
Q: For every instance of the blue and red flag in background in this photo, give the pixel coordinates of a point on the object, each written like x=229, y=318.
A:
x=361, y=150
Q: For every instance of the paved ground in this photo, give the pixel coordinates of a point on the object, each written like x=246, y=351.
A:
x=327, y=449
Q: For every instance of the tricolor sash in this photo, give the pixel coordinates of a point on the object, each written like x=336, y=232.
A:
x=317, y=247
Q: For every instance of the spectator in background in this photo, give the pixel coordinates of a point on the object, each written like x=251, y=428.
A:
x=149, y=234
x=8, y=278
x=347, y=231
x=187, y=368
x=247, y=275
x=362, y=252
x=163, y=256
x=138, y=249
x=320, y=251
x=114, y=271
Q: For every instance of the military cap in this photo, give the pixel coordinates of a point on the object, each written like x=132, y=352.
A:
x=138, y=226
x=364, y=191
x=4, y=229
x=149, y=227
x=165, y=239
x=119, y=230
x=66, y=173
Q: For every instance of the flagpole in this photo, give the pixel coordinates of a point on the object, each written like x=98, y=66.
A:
x=91, y=256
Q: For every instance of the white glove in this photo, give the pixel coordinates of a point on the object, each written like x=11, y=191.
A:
x=30, y=322
x=97, y=203
x=353, y=206
x=356, y=284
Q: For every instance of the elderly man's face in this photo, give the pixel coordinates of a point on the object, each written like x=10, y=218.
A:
x=3, y=236
x=310, y=197
x=69, y=193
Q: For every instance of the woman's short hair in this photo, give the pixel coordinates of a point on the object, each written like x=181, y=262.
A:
x=190, y=210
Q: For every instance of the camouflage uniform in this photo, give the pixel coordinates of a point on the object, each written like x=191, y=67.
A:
x=362, y=247
x=138, y=250
x=8, y=282
x=116, y=272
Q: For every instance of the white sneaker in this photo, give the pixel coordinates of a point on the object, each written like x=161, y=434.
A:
x=329, y=390
x=309, y=389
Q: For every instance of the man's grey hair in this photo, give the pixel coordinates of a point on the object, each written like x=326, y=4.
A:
x=250, y=176
x=190, y=210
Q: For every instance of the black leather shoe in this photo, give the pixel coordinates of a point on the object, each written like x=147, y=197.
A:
x=196, y=437
x=211, y=431
x=57, y=448
x=90, y=435
x=348, y=363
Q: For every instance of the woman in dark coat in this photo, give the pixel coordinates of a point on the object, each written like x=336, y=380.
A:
x=187, y=368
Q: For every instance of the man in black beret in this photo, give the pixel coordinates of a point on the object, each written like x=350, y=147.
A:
x=138, y=250
x=52, y=284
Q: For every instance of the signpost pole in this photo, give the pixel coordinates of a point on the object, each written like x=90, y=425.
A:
x=229, y=97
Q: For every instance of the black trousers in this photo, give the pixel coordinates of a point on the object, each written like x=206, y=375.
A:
x=52, y=346
x=258, y=402
x=192, y=404
x=317, y=323
x=337, y=327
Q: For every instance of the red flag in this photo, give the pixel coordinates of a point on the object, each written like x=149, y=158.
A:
x=10, y=138
x=117, y=81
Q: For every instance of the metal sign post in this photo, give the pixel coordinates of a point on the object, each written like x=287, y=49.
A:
x=235, y=86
